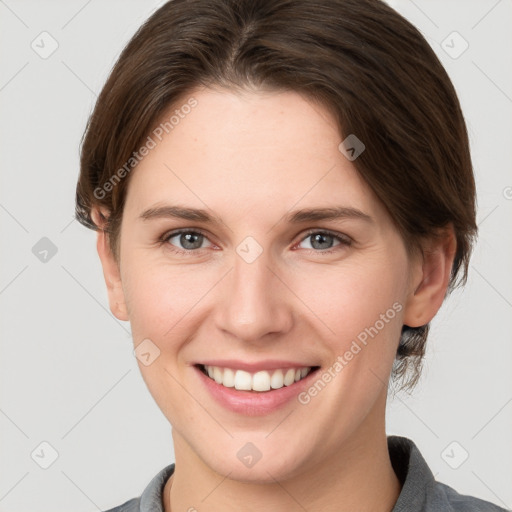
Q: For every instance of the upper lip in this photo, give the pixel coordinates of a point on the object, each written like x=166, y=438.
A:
x=268, y=364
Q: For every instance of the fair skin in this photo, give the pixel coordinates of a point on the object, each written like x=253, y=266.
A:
x=250, y=159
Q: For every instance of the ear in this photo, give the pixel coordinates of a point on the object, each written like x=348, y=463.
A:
x=430, y=277
x=111, y=271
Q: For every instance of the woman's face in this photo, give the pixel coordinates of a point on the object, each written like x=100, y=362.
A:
x=260, y=287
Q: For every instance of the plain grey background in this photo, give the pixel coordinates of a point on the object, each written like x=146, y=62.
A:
x=68, y=375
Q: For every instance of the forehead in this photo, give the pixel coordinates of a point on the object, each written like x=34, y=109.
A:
x=247, y=151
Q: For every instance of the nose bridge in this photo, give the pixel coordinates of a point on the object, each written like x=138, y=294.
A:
x=255, y=303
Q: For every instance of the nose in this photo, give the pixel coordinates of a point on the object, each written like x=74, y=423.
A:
x=255, y=304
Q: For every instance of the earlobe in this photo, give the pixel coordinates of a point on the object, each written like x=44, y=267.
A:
x=431, y=276
x=111, y=272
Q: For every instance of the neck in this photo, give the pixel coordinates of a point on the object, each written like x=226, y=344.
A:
x=357, y=476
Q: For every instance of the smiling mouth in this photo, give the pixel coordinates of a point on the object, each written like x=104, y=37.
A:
x=260, y=381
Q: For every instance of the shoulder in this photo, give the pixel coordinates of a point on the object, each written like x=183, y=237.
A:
x=132, y=505
x=420, y=491
x=455, y=502
x=151, y=498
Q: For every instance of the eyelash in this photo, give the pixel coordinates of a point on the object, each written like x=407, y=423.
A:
x=344, y=240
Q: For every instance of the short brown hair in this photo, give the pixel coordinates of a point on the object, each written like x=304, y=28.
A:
x=369, y=66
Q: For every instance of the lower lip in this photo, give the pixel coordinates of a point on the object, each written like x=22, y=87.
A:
x=254, y=403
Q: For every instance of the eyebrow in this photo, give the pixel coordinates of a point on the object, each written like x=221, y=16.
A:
x=294, y=217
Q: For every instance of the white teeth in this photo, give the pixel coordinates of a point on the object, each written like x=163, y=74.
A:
x=217, y=374
x=229, y=378
x=277, y=379
x=243, y=380
x=289, y=377
x=259, y=381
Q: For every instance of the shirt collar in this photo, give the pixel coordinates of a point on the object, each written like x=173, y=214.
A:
x=151, y=499
x=413, y=472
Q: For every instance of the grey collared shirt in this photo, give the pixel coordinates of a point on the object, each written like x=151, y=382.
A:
x=420, y=491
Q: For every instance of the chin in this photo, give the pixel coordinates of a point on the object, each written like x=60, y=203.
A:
x=249, y=464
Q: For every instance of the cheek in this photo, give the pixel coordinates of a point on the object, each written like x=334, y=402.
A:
x=164, y=304
x=351, y=299
x=360, y=306
x=162, y=298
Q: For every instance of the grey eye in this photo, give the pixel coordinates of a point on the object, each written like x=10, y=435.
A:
x=188, y=240
x=321, y=241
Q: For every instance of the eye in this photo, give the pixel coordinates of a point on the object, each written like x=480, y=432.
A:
x=186, y=240
x=319, y=241
x=322, y=241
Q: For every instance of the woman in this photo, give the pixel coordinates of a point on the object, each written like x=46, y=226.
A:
x=283, y=197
